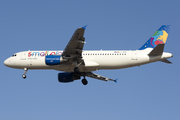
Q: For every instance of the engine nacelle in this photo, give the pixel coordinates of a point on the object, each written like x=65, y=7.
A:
x=67, y=77
x=54, y=59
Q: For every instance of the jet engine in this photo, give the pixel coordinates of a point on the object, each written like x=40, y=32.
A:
x=54, y=59
x=67, y=77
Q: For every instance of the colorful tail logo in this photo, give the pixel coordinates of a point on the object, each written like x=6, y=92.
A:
x=159, y=37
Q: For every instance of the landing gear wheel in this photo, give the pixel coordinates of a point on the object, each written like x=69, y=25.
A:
x=24, y=76
x=25, y=71
x=84, y=82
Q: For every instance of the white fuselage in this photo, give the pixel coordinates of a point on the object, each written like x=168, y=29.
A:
x=93, y=60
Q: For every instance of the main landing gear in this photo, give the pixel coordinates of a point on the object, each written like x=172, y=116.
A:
x=84, y=81
x=25, y=71
x=77, y=71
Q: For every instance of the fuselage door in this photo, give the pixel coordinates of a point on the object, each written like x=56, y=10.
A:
x=23, y=56
x=134, y=55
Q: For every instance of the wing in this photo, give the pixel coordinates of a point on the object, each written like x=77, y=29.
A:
x=75, y=46
x=96, y=76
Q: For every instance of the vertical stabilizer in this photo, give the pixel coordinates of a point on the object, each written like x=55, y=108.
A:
x=159, y=37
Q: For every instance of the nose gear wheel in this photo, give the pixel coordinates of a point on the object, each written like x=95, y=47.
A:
x=25, y=71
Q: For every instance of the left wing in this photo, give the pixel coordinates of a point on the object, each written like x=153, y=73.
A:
x=96, y=76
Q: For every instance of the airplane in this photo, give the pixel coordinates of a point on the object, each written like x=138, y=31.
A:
x=76, y=62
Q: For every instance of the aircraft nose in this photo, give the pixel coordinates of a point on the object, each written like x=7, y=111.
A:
x=6, y=62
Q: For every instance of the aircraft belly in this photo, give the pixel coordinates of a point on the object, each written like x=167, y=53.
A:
x=70, y=68
x=114, y=62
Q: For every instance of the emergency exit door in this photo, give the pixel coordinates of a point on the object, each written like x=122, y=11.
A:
x=134, y=55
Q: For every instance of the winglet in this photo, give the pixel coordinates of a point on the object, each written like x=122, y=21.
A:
x=115, y=80
x=84, y=27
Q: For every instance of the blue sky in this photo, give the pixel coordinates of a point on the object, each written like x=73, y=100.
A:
x=146, y=92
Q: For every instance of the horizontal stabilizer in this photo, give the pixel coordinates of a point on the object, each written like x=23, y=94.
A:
x=158, y=50
x=166, y=61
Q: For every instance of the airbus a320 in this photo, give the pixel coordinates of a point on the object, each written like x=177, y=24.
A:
x=76, y=62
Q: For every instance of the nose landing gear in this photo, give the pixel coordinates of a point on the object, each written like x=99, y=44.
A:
x=25, y=71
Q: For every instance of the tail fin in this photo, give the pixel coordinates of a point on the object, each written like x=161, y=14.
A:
x=159, y=37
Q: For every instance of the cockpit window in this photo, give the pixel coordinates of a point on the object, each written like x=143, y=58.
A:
x=14, y=55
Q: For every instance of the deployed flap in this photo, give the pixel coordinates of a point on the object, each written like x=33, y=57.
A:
x=96, y=76
x=158, y=50
x=75, y=46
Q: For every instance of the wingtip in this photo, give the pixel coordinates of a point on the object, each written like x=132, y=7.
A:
x=84, y=27
x=115, y=80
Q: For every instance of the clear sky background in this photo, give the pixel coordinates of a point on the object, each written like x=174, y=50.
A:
x=148, y=92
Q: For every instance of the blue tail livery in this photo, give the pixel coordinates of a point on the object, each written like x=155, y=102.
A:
x=159, y=37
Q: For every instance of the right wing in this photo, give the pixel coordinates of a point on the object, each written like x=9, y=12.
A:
x=75, y=46
x=99, y=77
x=72, y=53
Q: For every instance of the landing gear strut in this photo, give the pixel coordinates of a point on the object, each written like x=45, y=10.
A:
x=84, y=81
x=25, y=71
x=76, y=70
